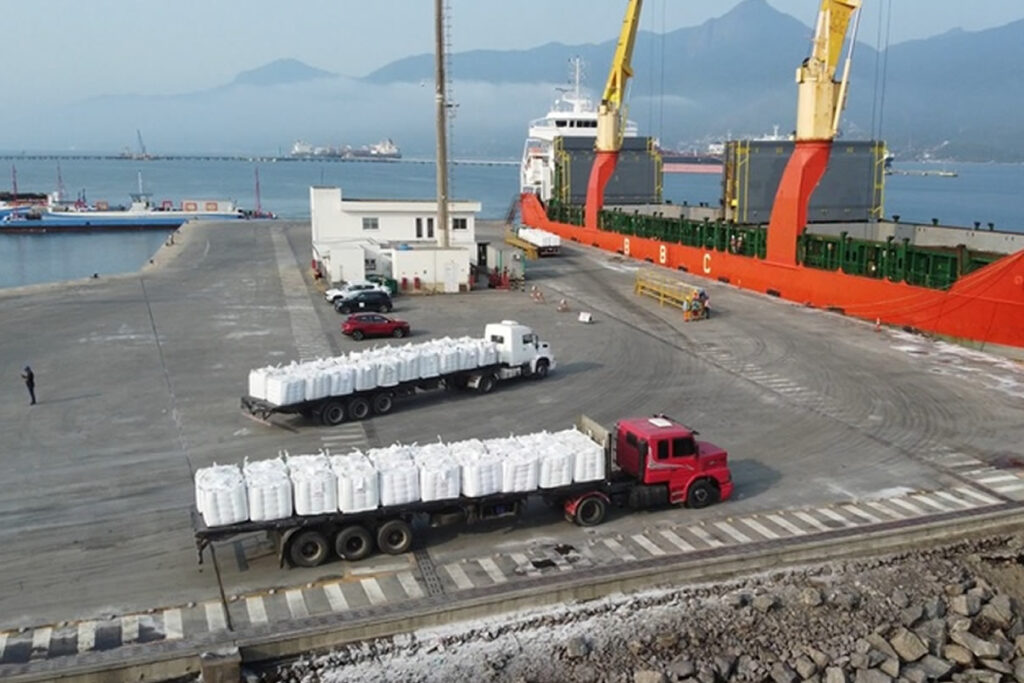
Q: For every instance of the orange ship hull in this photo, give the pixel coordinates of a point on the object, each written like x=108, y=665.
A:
x=985, y=307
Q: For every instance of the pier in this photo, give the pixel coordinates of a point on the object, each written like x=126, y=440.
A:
x=247, y=158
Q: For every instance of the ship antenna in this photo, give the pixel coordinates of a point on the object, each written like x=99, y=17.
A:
x=14, y=182
x=60, y=184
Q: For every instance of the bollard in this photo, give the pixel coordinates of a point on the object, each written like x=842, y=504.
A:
x=221, y=666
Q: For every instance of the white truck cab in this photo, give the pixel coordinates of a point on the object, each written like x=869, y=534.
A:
x=520, y=349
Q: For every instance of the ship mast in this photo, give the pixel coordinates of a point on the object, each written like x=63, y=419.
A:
x=441, y=120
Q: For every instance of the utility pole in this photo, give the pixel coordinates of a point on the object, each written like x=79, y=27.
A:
x=442, y=128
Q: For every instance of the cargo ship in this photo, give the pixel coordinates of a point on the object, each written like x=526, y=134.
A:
x=385, y=150
x=141, y=214
x=962, y=284
x=690, y=161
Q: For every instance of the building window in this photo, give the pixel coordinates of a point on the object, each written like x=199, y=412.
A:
x=370, y=223
x=430, y=228
x=419, y=228
x=370, y=265
x=459, y=224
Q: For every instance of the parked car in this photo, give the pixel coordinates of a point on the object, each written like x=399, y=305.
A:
x=361, y=325
x=388, y=283
x=367, y=300
x=350, y=288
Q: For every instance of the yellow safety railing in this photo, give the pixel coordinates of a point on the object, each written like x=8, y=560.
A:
x=661, y=285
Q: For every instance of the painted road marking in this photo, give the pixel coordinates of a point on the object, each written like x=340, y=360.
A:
x=813, y=521
x=172, y=624
x=953, y=499
x=373, y=591
x=907, y=505
x=523, y=563
x=733, y=531
x=86, y=636
x=704, y=536
x=3, y=643
x=760, y=528
x=927, y=500
x=458, y=576
x=857, y=512
x=41, y=638
x=998, y=477
x=977, y=495
x=296, y=604
x=835, y=516
x=1010, y=487
x=619, y=551
x=879, y=507
x=647, y=545
x=409, y=585
x=785, y=524
x=256, y=609
x=335, y=597
x=129, y=628
x=672, y=538
x=492, y=570
x=215, y=617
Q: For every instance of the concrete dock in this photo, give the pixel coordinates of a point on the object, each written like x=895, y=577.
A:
x=139, y=379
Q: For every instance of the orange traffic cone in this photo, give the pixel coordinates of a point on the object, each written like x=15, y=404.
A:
x=878, y=324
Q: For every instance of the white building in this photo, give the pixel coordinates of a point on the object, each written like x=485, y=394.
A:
x=353, y=238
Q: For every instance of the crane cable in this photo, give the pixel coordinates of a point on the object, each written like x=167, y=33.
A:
x=881, y=65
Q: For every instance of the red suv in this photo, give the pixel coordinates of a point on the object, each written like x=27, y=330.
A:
x=360, y=325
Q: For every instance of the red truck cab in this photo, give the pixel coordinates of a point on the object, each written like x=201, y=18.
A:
x=661, y=453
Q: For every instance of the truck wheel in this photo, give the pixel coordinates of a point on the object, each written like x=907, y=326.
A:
x=332, y=414
x=308, y=549
x=358, y=408
x=353, y=543
x=486, y=384
x=701, y=494
x=542, y=370
x=383, y=403
x=358, y=335
x=591, y=511
x=394, y=537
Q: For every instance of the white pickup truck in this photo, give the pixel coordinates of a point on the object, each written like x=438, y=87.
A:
x=355, y=387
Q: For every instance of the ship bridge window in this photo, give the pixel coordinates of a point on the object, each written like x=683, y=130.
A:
x=560, y=123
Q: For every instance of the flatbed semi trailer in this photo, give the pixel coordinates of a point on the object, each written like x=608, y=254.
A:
x=520, y=353
x=649, y=462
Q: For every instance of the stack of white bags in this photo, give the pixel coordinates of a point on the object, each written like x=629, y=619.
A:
x=396, y=475
x=384, y=366
x=539, y=238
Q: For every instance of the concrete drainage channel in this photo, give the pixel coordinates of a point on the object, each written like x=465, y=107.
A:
x=220, y=656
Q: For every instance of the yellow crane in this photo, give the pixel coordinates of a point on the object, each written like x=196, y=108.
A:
x=611, y=114
x=820, y=102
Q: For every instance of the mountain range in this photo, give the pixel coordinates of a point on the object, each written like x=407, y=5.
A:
x=954, y=95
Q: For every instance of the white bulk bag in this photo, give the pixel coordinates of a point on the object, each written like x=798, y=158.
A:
x=408, y=365
x=449, y=356
x=258, y=382
x=589, y=456
x=318, y=384
x=343, y=380
x=481, y=471
x=268, y=489
x=358, y=488
x=220, y=495
x=284, y=388
x=397, y=475
x=520, y=469
x=487, y=352
x=366, y=375
x=440, y=474
x=468, y=357
x=429, y=361
x=314, y=487
x=387, y=371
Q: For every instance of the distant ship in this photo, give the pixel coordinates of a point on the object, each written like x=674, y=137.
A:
x=385, y=150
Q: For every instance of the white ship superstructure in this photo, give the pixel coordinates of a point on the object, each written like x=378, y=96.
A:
x=573, y=115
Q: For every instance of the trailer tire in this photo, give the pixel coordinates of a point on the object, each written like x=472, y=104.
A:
x=353, y=543
x=394, y=537
x=701, y=494
x=308, y=548
x=359, y=408
x=591, y=511
x=383, y=403
x=332, y=413
x=542, y=370
x=486, y=384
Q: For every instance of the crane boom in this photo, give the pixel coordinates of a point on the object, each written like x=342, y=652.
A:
x=611, y=114
x=820, y=101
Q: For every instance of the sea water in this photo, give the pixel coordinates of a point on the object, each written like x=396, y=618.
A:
x=980, y=192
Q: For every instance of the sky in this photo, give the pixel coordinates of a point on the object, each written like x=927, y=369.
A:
x=60, y=49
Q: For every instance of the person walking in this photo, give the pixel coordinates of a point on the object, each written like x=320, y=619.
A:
x=30, y=382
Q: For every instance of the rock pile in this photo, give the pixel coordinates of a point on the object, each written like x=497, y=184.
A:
x=922, y=616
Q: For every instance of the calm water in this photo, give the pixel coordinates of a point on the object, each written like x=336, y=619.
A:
x=982, y=192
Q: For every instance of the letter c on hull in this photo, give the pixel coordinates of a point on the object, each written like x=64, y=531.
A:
x=707, y=262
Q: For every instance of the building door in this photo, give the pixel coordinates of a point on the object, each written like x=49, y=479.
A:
x=451, y=278
x=481, y=256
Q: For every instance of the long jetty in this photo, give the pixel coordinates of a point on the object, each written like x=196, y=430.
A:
x=248, y=158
